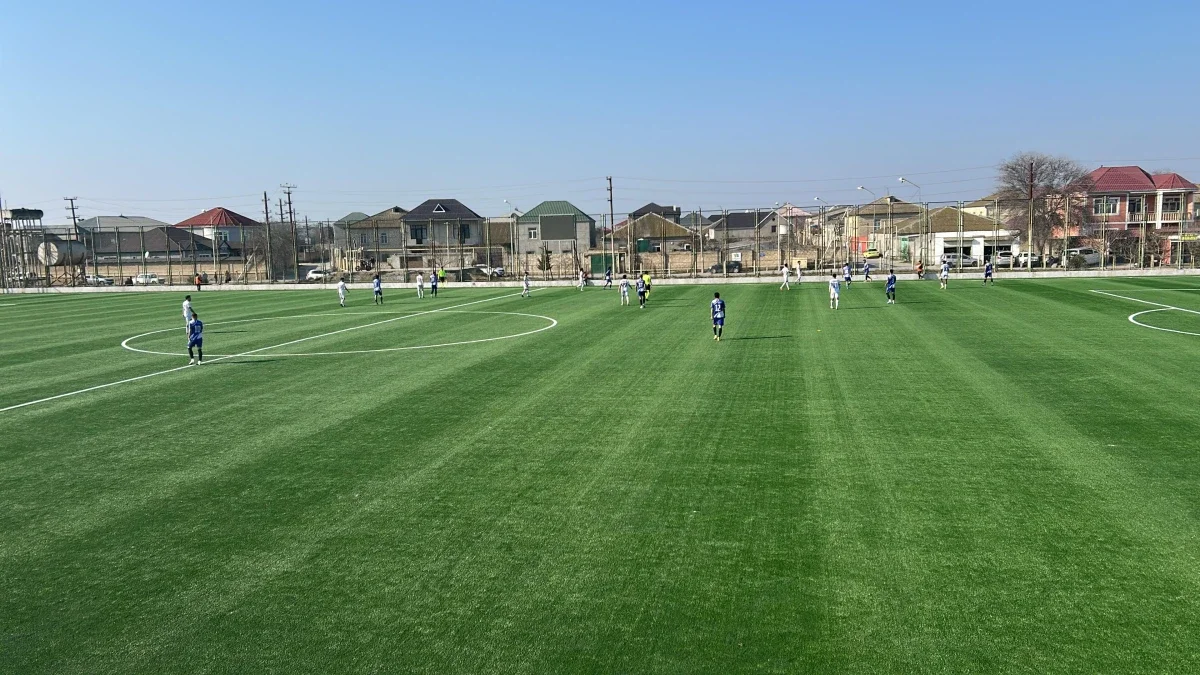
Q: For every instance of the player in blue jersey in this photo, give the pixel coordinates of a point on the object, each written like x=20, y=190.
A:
x=608, y=278
x=195, y=340
x=891, y=287
x=642, y=290
x=718, y=316
x=378, y=286
x=987, y=273
x=835, y=291
x=433, y=283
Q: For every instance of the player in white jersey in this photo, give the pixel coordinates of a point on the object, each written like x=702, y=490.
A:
x=341, y=289
x=866, y=271
x=525, y=292
x=944, y=275
x=835, y=290
x=787, y=273
x=846, y=274
x=582, y=278
x=718, y=316
x=187, y=313
x=420, y=285
x=624, y=289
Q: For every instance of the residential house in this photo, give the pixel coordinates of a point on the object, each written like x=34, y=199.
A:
x=873, y=225
x=694, y=220
x=557, y=226
x=382, y=232
x=739, y=229
x=652, y=239
x=114, y=223
x=671, y=213
x=443, y=222
x=1128, y=197
x=155, y=244
x=221, y=224
x=945, y=230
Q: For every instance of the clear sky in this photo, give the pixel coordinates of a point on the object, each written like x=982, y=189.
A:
x=165, y=109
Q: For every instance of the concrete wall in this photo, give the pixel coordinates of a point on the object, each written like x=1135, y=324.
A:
x=766, y=278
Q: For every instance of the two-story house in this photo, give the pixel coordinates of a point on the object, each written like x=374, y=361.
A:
x=1129, y=197
x=442, y=223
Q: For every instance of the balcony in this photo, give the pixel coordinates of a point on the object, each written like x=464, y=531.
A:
x=1150, y=217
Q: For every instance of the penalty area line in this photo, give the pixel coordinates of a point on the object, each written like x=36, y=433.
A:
x=247, y=353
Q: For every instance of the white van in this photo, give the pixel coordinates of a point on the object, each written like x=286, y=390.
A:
x=1090, y=256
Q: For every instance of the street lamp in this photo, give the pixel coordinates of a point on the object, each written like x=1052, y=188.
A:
x=821, y=221
x=875, y=198
x=905, y=180
x=921, y=236
x=514, y=233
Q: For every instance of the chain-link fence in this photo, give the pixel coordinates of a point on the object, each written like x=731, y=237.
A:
x=1073, y=233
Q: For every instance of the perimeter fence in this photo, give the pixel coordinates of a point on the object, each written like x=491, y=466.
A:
x=888, y=233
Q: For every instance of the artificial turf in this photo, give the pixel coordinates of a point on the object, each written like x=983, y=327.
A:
x=999, y=479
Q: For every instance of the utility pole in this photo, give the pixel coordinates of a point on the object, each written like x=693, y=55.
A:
x=291, y=220
x=71, y=208
x=1029, y=258
x=75, y=231
x=612, y=221
x=267, y=226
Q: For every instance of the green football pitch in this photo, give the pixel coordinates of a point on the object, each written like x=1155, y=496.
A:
x=1000, y=479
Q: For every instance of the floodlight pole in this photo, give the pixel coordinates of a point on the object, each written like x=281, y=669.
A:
x=920, y=236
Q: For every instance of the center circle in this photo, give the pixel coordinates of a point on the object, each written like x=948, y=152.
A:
x=268, y=351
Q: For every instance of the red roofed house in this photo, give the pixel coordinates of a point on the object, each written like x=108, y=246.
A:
x=1127, y=197
x=222, y=225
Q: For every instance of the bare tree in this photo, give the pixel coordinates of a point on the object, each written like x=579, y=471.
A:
x=1050, y=180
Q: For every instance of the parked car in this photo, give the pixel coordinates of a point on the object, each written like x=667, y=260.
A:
x=953, y=259
x=23, y=279
x=491, y=271
x=1003, y=259
x=97, y=280
x=1023, y=259
x=732, y=267
x=146, y=280
x=872, y=254
x=1090, y=256
x=318, y=275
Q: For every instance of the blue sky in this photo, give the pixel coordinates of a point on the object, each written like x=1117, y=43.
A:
x=163, y=110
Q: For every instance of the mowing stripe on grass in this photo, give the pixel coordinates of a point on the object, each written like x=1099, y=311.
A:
x=250, y=353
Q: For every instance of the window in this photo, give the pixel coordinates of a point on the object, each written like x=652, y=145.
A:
x=418, y=235
x=878, y=225
x=1136, y=205
x=222, y=236
x=773, y=229
x=531, y=233
x=363, y=239
x=1172, y=203
x=383, y=238
x=439, y=209
x=1105, y=206
x=464, y=231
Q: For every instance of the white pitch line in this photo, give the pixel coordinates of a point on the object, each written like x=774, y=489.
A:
x=1147, y=302
x=1162, y=307
x=1133, y=320
x=252, y=351
x=1139, y=290
x=552, y=323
